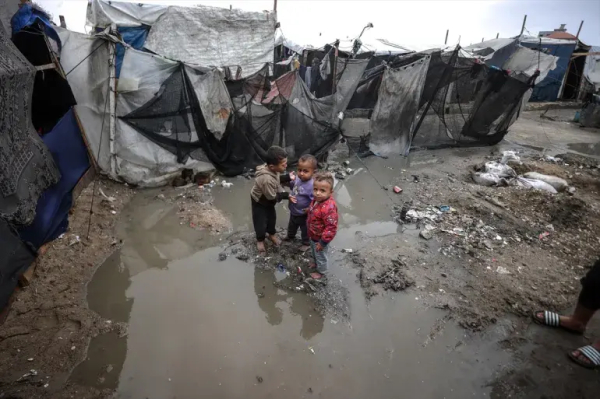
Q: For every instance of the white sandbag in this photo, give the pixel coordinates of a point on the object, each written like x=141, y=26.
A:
x=536, y=184
x=556, y=182
x=486, y=179
x=510, y=156
x=499, y=169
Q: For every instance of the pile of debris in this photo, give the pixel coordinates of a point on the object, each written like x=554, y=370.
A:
x=339, y=170
x=501, y=174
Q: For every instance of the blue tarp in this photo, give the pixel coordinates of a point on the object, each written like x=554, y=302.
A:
x=28, y=15
x=135, y=36
x=549, y=88
x=70, y=154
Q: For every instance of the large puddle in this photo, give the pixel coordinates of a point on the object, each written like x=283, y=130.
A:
x=203, y=328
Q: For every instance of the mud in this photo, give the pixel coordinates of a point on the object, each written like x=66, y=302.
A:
x=184, y=306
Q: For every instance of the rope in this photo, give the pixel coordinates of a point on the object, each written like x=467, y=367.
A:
x=86, y=57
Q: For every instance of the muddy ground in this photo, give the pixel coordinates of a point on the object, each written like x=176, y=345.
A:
x=481, y=258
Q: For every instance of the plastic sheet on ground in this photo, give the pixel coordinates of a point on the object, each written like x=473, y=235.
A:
x=397, y=106
x=215, y=37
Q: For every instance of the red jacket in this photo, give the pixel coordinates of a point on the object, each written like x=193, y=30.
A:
x=322, y=220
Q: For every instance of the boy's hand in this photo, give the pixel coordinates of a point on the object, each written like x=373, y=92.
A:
x=293, y=199
x=305, y=210
x=319, y=247
x=292, y=175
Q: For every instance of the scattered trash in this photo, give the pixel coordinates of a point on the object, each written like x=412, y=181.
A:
x=349, y=171
x=222, y=256
x=225, y=184
x=300, y=287
x=113, y=212
x=487, y=179
x=444, y=208
x=160, y=196
x=30, y=359
x=571, y=190
x=347, y=250
x=346, y=163
x=106, y=197
x=499, y=169
x=415, y=178
x=397, y=190
x=333, y=321
x=310, y=348
x=544, y=235
x=548, y=158
x=427, y=232
x=259, y=379
x=73, y=348
x=556, y=182
x=281, y=267
x=340, y=176
x=75, y=241
x=502, y=270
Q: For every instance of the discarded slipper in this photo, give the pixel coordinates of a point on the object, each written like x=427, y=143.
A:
x=590, y=353
x=552, y=319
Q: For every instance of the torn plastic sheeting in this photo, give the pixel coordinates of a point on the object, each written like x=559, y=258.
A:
x=213, y=97
x=140, y=160
x=397, y=106
x=88, y=78
x=499, y=169
x=102, y=13
x=352, y=71
x=487, y=179
x=528, y=61
x=215, y=37
x=591, y=69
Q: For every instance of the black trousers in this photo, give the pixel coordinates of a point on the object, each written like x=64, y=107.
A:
x=298, y=222
x=264, y=218
x=589, y=297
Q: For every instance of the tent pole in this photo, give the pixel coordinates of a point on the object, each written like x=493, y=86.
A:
x=112, y=90
x=335, y=58
x=497, y=34
x=275, y=6
x=579, y=30
x=523, y=27
x=446, y=40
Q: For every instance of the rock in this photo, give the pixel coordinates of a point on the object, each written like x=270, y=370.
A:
x=571, y=190
x=243, y=257
x=427, y=232
x=346, y=163
x=222, y=256
x=259, y=379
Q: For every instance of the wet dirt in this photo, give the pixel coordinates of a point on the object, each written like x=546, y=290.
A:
x=187, y=309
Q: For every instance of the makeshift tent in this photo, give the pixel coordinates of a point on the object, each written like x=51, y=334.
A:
x=26, y=166
x=70, y=154
x=591, y=72
x=200, y=35
x=16, y=258
x=30, y=14
x=473, y=103
x=549, y=88
x=52, y=95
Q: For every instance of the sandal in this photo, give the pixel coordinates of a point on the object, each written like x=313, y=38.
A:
x=552, y=319
x=590, y=353
x=316, y=275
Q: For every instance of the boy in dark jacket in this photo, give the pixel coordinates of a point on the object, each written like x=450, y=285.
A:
x=322, y=221
x=266, y=193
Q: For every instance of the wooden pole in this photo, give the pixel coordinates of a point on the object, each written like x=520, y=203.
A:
x=274, y=6
x=579, y=30
x=523, y=27
x=446, y=41
x=497, y=34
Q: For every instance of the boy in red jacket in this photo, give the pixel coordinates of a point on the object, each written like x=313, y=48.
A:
x=322, y=221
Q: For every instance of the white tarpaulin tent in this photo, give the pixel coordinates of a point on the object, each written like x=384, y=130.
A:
x=207, y=36
x=592, y=68
x=123, y=153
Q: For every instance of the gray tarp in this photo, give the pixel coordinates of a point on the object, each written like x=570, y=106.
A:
x=26, y=166
x=215, y=37
x=397, y=106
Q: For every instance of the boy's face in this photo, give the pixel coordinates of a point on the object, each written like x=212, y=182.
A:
x=322, y=191
x=280, y=167
x=305, y=170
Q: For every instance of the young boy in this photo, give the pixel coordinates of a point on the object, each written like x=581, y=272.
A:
x=266, y=192
x=322, y=221
x=300, y=199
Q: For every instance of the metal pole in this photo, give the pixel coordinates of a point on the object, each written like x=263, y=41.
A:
x=523, y=27
x=446, y=41
x=497, y=34
x=579, y=30
x=275, y=6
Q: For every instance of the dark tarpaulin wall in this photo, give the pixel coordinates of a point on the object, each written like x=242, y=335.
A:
x=467, y=103
x=294, y=120
x=52, y=95
x=397, y=106
x=70, y=154
x=16, y=258
x=26, y=166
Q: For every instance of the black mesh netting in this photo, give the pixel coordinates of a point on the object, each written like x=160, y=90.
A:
x=264, y=113
x=466, y=102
